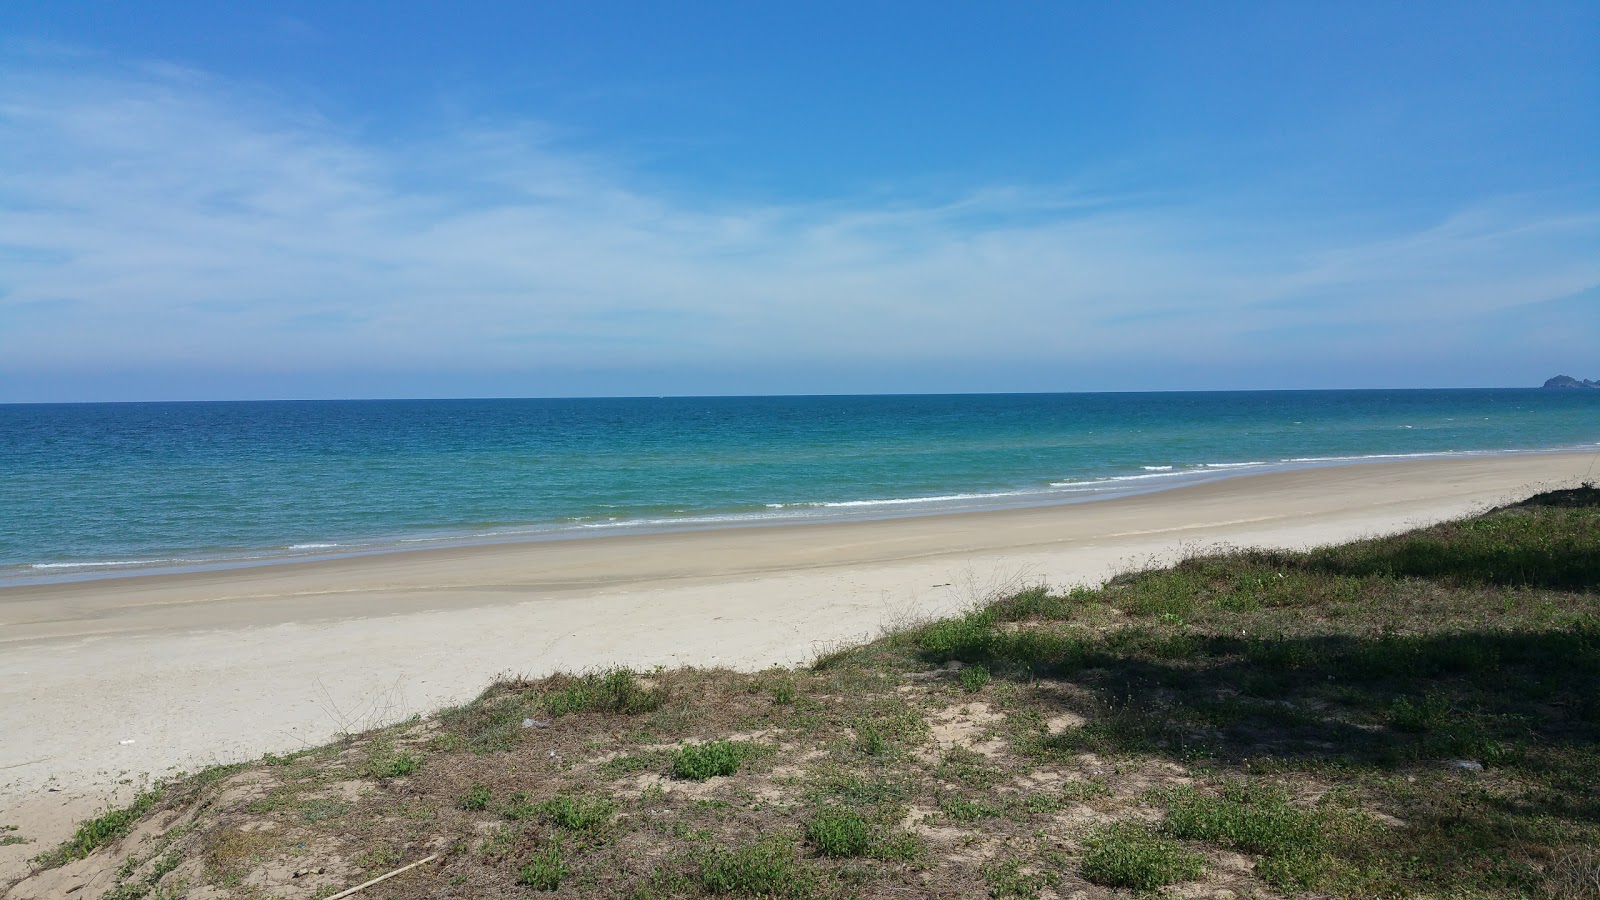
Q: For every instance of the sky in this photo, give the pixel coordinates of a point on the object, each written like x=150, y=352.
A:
x=251, y=201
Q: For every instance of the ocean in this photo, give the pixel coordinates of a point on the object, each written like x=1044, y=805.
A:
x=89, y=490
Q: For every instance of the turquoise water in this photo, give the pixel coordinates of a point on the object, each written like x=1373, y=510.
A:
x=91, y=489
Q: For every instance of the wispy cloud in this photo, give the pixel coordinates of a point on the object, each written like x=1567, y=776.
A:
x=154, y=217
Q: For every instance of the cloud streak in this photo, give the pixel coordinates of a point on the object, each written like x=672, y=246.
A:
x=154, y=218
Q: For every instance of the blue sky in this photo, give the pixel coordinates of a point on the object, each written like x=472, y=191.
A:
x=210, y=201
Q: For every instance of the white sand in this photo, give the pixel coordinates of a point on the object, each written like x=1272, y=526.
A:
x=106, y=681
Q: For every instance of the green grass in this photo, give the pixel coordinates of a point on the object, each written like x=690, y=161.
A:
x=100, y=830
x=478, y=797
x=495, y=721
x=767, y=869
x=384, y=761
x=545, y=870
x=843, y=832
x=148, y=886
x=615, y=691
x=1008, y=880
x=1131, y=855
x=699, y=762
x=1260, y=819
x=579, y=813
x=961, y=810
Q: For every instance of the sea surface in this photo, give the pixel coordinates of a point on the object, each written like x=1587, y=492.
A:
x=89, y=490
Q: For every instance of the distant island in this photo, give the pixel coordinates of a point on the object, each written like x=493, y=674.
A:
x=1567, y=381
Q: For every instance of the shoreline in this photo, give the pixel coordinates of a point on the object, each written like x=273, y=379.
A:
x=104, y=682
x=1069, y=493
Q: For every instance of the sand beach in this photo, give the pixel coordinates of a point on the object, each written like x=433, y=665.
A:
x=106, y=684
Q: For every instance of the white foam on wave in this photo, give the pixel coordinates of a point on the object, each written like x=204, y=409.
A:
x=901, y=501
x=1156, y=468
x=311, y=546
x=104, y=564
x=1237, y=465
x=1300, y=459
x=1114, y=479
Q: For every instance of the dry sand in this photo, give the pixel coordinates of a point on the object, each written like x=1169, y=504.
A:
x=105, y=683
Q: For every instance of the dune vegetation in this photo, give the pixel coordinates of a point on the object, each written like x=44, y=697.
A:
x=1416, y=715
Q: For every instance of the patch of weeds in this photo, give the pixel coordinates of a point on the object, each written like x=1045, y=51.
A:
x=520, y=806
x=229, y=853
x=632, y=764
x=614, y=691
x=446, y=742
x=9, y=838
x=783, y=690
x=145, y=887
x=961, y=810
x=967, y=638
x=380, y=858
x=322, y=808
x=384, y=761
x=859, y=791
x=1082, y=791
x=974, y=677
x=579, y=813
x=500, y=843
x=1041, y=803
x=494, y=721
x=870, y=739
x=545, y=870
x=767, y=869
x=698, y=762
x=478, y=797
x=1427, y=714
x=100, y=830
x=1007, y=880
x=838, y=831
x=1131, y=855
x=1259, y=819
x=1038, y=603
x=589, y=813
x=283, y=759
x=968, y=767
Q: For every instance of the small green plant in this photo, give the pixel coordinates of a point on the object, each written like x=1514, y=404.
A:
x=545, y=870
x=1007, y=880
x=974, y=677
x=968, y=767
x=1131, y=855
x=145, y=888
x=99, y=831
x=767, y=869
x=960, y=810
x=383, y=761
x=837, y=831
x=1079, y=791
x=870, y=739
x=477, y=798
x=1255, y=818
x=783, y=691
x=579, y=813
x=1427, y=714
x=320, y=808
x=615, y=691
x=698, y=762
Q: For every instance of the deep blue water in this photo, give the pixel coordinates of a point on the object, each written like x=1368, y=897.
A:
x=94, y=488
